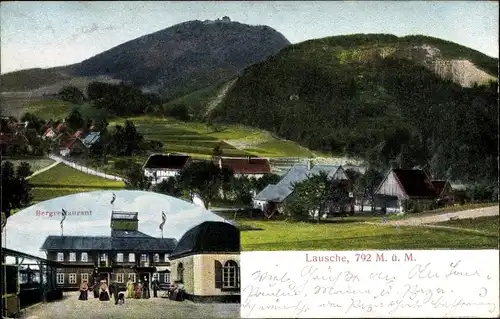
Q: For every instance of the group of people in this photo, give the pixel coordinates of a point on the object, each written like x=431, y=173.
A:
x=138, y=290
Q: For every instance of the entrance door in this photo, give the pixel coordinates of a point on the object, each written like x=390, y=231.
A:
x=104, y=276
x=143, y=276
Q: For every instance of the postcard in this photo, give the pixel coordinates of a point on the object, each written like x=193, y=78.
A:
x=248, y=159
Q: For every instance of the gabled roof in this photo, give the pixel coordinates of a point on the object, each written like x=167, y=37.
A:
x=439, y=185
x=167, y=161
x=247, y=165
x=61, y=126
x=208, y=237
x=47, y=131
x=78, y=133
x=91, y=138
x=69, y=142
x=415, y=182
x=297, y=173
x=85, y=243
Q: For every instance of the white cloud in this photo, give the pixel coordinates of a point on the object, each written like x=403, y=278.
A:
x=26, y=230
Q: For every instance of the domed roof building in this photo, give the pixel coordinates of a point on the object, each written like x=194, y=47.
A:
x=207, y=262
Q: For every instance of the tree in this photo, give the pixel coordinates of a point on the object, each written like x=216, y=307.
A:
x=34, y=122
x=23, y=170
x=15, y=190
x=204, y=178
x=260, y=183
x=75, y=119
x=71, y=94
x=169, y=186
x=242, y=190
x=317, y=194
x=217, y=151
x=135, y=178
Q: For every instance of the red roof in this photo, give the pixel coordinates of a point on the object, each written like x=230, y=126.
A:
x=78, y=133
x=60, y=127
x=69, y=143
x=247, y=165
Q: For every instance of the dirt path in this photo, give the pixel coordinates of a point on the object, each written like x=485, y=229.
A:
x=424, y=220
x=44, y=169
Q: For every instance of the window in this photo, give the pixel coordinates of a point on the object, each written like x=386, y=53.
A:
x=230, y=275
x=120, y=277
x=165, y=258
x=119, y=257
x=144, y=258
x=60, y=256
x=85, y=257
x=166, y=279
x=131, y=277
x=103, y=257
x=85, y=278
x=155, y=276
x=60, y=278
x=180, y=272
x=72, y=278
x=131, y=258
x=72, y=256
x=218, y=274
x=156, y=258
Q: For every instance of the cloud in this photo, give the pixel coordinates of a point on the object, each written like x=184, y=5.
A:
x=28, y=229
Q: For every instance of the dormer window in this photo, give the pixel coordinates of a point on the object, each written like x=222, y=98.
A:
x=165, y=258
x=85, y=257
x=60, y=256
x=131, y=258
x=72, y=256
x=156, y=258
x=119, y=257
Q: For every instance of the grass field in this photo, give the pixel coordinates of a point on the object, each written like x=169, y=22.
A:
x=45, y=193
x=352, y=235
x=490, y=224
x=57, y=109
x=198, y=140
x=62, y=176
x=35, y=163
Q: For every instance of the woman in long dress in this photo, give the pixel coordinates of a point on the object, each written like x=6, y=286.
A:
x=104, y=295
x=130, y=289
x=138, y=290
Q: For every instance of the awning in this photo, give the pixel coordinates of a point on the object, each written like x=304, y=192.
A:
x=162, y=269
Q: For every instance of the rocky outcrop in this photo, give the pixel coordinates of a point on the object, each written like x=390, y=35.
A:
x=460, y=71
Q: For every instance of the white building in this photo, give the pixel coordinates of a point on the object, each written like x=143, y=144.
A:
x=163, y=166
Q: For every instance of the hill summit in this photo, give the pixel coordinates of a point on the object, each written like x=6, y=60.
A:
x=173, y=62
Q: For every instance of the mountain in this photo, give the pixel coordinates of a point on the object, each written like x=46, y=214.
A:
x=389, y=100
x=173, y=62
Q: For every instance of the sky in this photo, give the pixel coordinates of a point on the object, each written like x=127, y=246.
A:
x=26, y=230
x=47, y=34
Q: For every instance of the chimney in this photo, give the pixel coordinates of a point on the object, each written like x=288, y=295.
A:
x=309, y=164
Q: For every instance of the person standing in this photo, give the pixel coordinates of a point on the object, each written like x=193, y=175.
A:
x=130, y=289
x=145, y=289
x=113, y=290
x=156, y=287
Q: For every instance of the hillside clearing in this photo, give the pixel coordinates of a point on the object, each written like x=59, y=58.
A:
x=36, y=164
x=199, y=140
x=66, y=177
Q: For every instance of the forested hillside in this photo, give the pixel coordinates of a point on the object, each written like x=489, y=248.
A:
x=379, y=98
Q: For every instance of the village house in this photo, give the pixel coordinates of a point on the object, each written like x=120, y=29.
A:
x=273, y=197
x=207, y=261
x=91, y=139
x=72, y=146
x=405, y=189
x=444, y=192
x=126, y=254
x=250, y=167
x=163, y=166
